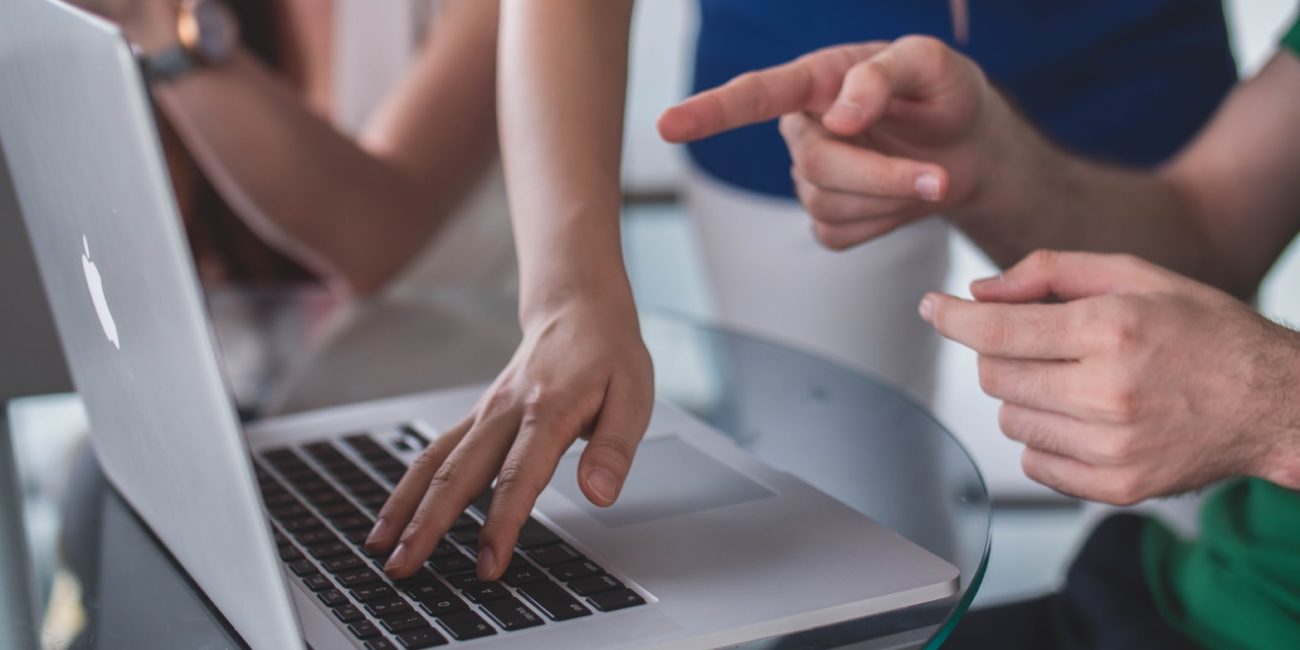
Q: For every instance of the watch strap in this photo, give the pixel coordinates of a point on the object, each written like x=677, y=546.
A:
x=168, y=64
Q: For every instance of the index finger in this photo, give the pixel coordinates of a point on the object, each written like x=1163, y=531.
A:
x=809, y=83
x=1013, y=331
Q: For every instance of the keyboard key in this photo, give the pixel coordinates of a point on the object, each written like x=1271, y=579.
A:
x=338, y=511
x=301, y=523
x=290, y=554
x=423, y=586
x=486, y=591
x=364, y=630
x=288, y=511
x=464, y=581
x=357, y=577
x=553, y=601
x=328, y=549
x=444, y=547
x=374, y=502
x=302, y=567
x=595, y=585
x=403, y=622
x=442, y=605
x=609, y=601
x=326, y=498
x=522, y=575
x=465, y=625
x=464, y=520
x=534, y=534
x=314, y=536
x=373, y=592
x=348, y=614
x=390, y=607
x=380, y=644
x=549, y=556
x=422, y=638
x=317, y=582
x=454, y=563
x=280, y=456
x=342, y=563
x=511, y=614
x=357, y=536
x=332, y=598
x=467, y=536
x=414, y=437
x=575, y=570
x=357, y=521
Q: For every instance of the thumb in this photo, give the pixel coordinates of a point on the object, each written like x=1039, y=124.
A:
x=605, y=463
x=913, y=67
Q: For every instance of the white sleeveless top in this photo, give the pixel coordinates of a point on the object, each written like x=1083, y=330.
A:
x=374, y=45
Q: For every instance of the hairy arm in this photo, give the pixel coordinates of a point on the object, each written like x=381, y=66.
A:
x=1221, y=211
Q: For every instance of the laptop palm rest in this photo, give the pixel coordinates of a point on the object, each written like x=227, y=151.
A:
x=670, y=478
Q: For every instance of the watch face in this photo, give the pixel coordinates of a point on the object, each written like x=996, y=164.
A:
x=215, y=27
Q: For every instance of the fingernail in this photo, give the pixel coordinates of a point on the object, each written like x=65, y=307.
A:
x=987, y=282
x=927, y=187
x=397, y=560
x=601, y=482
x=378, y=532
x=487, y=562
x=926, y=308
x=845, y=110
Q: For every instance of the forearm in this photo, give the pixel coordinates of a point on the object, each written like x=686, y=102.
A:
x=562, y=81
x=1040, y=196
x=357, y=211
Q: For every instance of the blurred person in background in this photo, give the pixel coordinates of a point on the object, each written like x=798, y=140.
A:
x=1129, y=81
x=272, y=191
x=1125, y=381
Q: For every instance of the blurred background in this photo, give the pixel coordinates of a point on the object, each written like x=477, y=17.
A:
x=1035, y=530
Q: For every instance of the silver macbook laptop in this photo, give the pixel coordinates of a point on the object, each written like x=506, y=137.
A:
x=707, y=546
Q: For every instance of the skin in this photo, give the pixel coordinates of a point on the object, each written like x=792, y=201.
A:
x=271, y=152
x=1124, y=380
x=582, y=369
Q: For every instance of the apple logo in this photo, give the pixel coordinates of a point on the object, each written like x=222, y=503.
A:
x=96, y=286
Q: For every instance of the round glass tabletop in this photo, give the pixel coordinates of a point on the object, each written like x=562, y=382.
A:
x=850, y=436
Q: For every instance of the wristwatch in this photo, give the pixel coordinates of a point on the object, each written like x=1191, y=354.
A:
x=207, y=34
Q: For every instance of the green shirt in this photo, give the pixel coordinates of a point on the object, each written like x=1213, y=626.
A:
x=1238, y=584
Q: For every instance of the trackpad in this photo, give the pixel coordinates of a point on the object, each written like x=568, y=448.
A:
x=670, y=478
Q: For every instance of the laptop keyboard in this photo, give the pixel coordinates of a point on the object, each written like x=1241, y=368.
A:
x=323, y=497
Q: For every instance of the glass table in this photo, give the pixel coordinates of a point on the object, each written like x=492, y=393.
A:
x=105, y=582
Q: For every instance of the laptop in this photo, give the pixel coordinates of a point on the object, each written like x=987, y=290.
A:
x=707, y=546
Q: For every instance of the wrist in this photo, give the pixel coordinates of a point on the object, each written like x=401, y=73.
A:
x=608, y=293
x=1009, y=160
x=1279, y=460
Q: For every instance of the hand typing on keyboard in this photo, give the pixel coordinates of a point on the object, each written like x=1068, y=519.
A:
x=582, y=372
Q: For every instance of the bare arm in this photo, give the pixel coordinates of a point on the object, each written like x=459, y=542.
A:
x=867, y=123
x=355, y=210
x=582, y=369
x=1221, y=211
x=563, y=81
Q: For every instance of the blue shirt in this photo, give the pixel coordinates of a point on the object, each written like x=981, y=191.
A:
x=1129, y=81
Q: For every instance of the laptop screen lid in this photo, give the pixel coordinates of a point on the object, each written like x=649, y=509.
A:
x=82, y=149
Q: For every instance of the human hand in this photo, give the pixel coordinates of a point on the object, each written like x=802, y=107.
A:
x=880, y=133
x=582, y=370
x=1141, y=383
